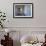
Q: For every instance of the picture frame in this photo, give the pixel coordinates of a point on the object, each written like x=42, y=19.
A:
x=24, y=10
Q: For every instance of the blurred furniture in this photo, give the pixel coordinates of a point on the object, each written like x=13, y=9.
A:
x=8, y=41
x=28, y=44
x=28, y=40
x=44, y=44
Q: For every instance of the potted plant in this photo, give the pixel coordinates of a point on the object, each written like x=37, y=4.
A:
x=2, y=18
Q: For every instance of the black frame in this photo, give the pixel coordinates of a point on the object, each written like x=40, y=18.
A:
x=22, y=3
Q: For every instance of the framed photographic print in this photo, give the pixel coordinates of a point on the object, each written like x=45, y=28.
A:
x=22, y=10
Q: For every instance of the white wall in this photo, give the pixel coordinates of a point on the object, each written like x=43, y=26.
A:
x=38, y=23
x=39, y=13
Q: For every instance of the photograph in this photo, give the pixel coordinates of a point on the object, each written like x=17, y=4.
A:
x=22, y=10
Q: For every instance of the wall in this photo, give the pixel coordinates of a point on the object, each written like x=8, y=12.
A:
x=39, y=13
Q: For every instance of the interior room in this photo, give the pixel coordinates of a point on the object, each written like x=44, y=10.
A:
x=22, y=23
